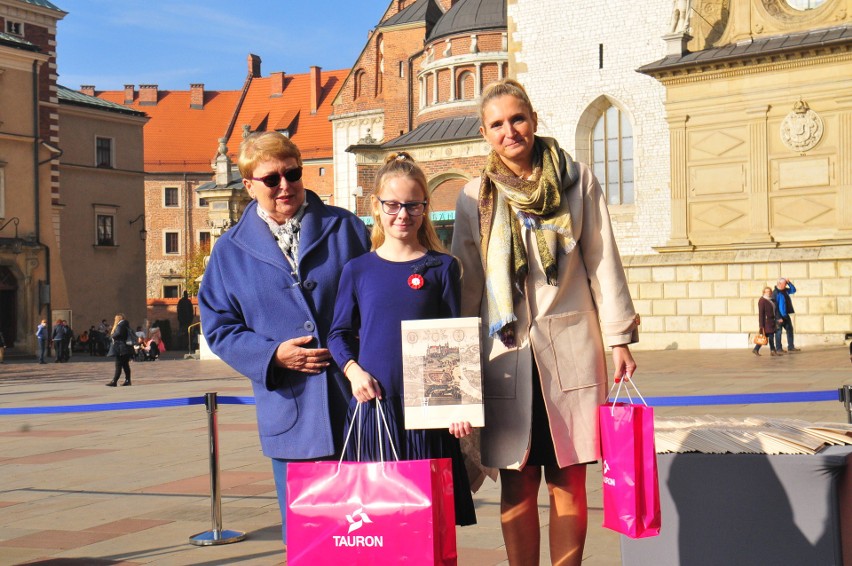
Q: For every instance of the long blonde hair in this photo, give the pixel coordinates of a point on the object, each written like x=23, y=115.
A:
x=403, y=165
x=118, y=318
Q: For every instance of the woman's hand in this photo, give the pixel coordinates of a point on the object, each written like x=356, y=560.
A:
x=364, y=386
x=461, y=429
x=622, y=359
x=291, y=355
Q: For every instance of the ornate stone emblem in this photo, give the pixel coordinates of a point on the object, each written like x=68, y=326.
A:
x=802, y=129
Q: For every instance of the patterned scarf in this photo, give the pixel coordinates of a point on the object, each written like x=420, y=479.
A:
x=506, y=201
x=287, y=234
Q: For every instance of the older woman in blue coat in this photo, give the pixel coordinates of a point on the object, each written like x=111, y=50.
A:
x=267, y=301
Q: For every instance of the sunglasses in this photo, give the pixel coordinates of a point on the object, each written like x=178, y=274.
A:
x=274, y=179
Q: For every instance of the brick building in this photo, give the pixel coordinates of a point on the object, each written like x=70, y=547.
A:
x=415, y=88
x=182, y=141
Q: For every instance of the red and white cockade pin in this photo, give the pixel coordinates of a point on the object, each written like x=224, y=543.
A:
x=415, y=281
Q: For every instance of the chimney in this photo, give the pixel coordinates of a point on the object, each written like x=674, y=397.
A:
x=276, y=84
x=254, y=66
x=316, y=88
x=148, y=95
x=88, y=90
x=196, y=96
x=129, y=94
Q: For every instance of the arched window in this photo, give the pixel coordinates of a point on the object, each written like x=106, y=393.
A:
x=360, y=75
x=464, y=86
x=612, y=155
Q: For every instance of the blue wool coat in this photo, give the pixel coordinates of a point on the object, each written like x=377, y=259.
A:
x=250, y=302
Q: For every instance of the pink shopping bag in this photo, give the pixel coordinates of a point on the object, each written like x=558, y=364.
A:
x=398, y=512
x=631, y=491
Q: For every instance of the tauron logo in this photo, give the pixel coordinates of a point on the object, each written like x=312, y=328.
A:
x=357, y=520
x=607, y=480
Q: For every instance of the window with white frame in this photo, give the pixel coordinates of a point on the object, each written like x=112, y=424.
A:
x=171, y=243
x=202, y=202
x=105, y=226
x=322, y=171
x=14, y=28
x=803, y=5
x=171, y=197
x=612, y=156
x=103, y=152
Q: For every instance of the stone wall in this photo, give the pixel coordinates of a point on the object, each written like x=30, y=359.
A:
x=574, y=60
x=708, y=300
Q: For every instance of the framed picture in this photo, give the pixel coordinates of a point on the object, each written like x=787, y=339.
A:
x=442, y=372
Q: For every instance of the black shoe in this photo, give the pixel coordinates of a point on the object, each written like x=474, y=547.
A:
x=111, y=384
x=794, y=349
x=125, y=382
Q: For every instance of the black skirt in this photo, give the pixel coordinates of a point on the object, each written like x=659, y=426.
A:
x=542, y=452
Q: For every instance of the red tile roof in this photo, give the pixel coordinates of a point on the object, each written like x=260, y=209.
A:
x=179, y=138
x=291, y=111
x=182, y=139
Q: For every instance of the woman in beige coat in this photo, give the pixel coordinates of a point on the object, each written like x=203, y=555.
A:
x=541, y=267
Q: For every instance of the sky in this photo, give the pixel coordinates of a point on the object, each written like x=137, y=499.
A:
x=175, y=43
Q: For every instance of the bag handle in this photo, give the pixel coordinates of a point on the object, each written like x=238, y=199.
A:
x=619, y=381
x=381, y=418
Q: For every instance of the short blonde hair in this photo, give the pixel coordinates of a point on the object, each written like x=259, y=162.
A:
x=504, y=87
x=403, y=165
x=263, y=146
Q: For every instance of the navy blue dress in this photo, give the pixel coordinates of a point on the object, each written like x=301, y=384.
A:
x=373, y=299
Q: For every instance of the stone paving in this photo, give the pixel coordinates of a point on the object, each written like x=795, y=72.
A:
x=131, y=486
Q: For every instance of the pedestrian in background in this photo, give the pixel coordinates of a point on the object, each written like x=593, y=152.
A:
x=2, y=349
x=41, y=336
x=58, y=341
x=784, y=304
x=121, y=334
x=767, y=316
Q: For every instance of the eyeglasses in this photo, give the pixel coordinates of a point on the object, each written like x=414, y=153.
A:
x=413, y=208
x=274, y=179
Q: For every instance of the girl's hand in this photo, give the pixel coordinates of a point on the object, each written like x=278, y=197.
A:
x=364, y=386
x=461, y=429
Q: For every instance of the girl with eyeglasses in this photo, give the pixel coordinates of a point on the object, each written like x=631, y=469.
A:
x=407, y=276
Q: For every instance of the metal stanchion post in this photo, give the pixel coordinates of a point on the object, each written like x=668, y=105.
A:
x=844, y=395
x=217, y=535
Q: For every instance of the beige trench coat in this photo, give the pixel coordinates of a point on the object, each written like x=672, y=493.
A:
x=560, y=326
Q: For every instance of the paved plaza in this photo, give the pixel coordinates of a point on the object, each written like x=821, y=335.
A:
x=131, y=486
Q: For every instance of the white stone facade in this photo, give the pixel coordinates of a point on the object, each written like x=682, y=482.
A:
x=566, y=82
x=687, y=300
x=349, y=130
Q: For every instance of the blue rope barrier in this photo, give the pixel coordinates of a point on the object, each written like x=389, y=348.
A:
x=683, y=401
x=744, y=399
x=150, y=404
